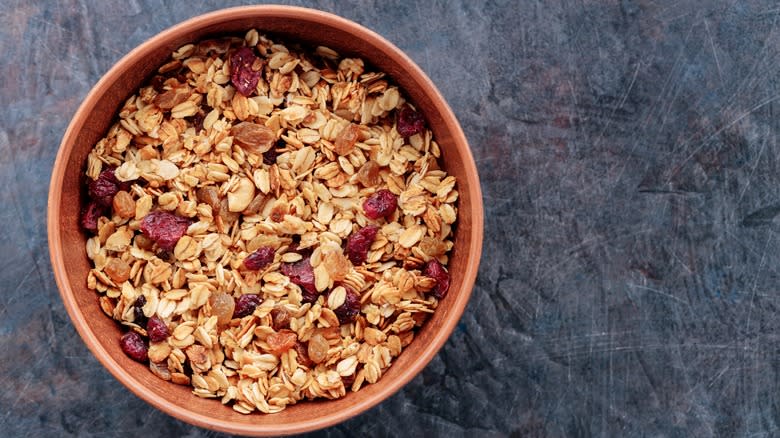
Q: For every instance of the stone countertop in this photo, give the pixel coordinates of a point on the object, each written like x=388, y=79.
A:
x=629, y=162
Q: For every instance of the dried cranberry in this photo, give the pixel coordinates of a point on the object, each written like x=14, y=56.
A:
x=259, y=259
x=245, y=70
x=104, y=187
x=164, y=228
x=245, y=305
x=381, y=204
x=351, y=307
x=157, y=329
x=90, y=216
x=359, y=243
x=138, y=311
x=133, y=345
x=302, y=274
x=410, y=122
x=435, y=270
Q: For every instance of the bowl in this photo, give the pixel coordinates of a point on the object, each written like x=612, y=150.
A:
x=91, y=122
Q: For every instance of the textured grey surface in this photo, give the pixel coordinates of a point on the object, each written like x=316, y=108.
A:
x=629, y=161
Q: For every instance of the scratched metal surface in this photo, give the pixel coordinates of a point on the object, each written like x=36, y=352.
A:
x=629, y=161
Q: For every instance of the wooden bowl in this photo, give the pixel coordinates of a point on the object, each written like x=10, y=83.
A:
x=91, y=122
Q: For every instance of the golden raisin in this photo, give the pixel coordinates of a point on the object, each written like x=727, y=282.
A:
x=124, y=205
x=318, y=348
x=337, y=265
x=256, y=204
x=346, y=139
x=118, y=270
x=368, y=175
x=281, y=318
x=209, y=195
x=281, y=342
x=143, y=242
x=222, y=305
x=253, y=137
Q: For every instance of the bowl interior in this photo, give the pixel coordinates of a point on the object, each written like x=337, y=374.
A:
x=99, y=110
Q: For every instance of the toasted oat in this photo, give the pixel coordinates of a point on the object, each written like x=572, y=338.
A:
x=288, y=166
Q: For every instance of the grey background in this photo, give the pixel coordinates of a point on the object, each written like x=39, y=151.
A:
x=629, y=162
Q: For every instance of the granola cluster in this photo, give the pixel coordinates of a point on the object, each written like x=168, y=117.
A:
x=269, y=223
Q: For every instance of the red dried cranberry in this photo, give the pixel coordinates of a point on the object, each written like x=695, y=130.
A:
x=245, y=305
x=351, y=307
x=138, y=311
x=104, y=187
x=410, y=122
x=242, y=75
x=133, y=345
x=302, y=274
x=359, y=243
x=435, y=270
x=157, y=329
x=381, y=204
x=259, y=259
x=164, y=228
x=90, y=216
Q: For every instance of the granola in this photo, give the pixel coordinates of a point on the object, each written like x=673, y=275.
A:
x=269, y=223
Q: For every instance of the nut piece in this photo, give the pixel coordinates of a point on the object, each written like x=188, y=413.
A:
x=241, y=196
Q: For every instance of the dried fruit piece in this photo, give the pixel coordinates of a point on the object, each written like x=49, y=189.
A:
x=253, y=137
x=435, y=270
x=245, y=305
x=346, y=139
x=222, y=305
x=359, y=243
x=210, y=196
x=123, y=203
x=227, y=216
x=351, y=307
x=302, y=274
x=104, y=187
x=90, y=216
x=144, y=242
x=368, y=175
x=259, y=259
x=118, y=270
x=318, y=348
x=381, y=204
x=269, y=156
x=281, y=342
x=157, y=329
x=303, y=354
x=255, y=205
x=245, y=70
x=337, y=265
x=138, y=311
x=410, y=122
x=133, y=346
x=164, y=228
x=170, y=98
x=281, y=318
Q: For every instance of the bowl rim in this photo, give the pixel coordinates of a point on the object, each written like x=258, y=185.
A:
x=56, y=251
